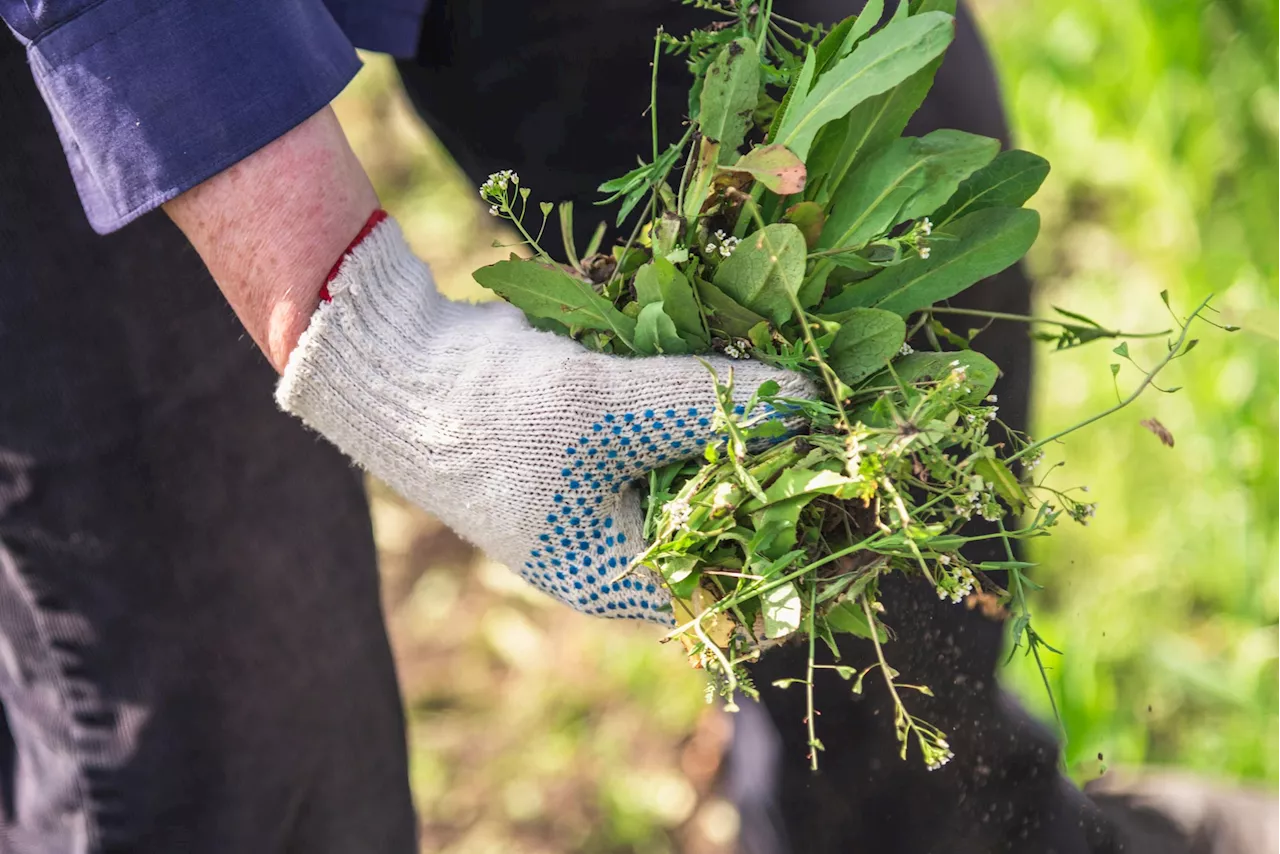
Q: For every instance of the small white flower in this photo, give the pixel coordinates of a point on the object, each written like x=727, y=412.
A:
x=679, y=511
x=926, y=227
x=906, y=349
x=493, y=210
x=498, y=183
x=923, y=250
x=944, y=559
x=991, y=398
x=941, y=760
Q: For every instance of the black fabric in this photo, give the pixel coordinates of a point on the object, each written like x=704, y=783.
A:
x=557, y=91
x=192, y=653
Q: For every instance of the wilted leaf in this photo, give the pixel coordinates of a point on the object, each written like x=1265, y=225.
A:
x=877, y=64
x=729, y=94
x=969, y=250
x=1161, y=431
x=809, y=218
x=781, y=607
x=1006, y=182
x=773, y=166
x=868, y=338
x=766, y=267
x=545, y=292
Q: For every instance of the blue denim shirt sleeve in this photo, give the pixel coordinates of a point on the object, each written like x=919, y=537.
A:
x=151, y=97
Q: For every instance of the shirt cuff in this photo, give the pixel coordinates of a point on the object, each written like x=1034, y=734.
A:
x=151, y=97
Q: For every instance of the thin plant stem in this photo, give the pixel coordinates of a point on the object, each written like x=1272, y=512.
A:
x=1147, y=380
x=1024, y=318
x=1020, y=596
x=653, y=93
x=809, y=719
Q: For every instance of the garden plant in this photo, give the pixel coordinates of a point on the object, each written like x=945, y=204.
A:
x=791, y=222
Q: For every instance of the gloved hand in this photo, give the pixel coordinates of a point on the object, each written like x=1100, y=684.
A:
x=522, y=441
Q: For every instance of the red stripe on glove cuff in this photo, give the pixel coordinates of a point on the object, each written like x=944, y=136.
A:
x=374, y=218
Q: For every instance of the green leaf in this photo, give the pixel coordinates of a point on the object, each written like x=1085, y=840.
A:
x=1006, y=182
x=773, y=166
x=906, y=180
x=660, y=281
x=632, y=187
x=842, y=145
x=848, y=617
x=760, y=335
x=868, y=201
x=785, y=499
x=950, y=157
x=877, y=64
x=995, y=472
x=725, y=313
x=921, y=6
x=966, y=251
x=656, y=333
x=541, y=291
x=832, y=46
x=795, y=92
x=787, y=683
x=677, y=568
x=729, y=94
x=796, y=482
x=781, y=607
x=868, y=338
x=867, y=18
x=766, y=267
x=781, y=519
x=855, y=262
x=980, y=372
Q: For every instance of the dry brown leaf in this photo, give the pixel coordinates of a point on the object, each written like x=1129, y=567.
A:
x=1161, y=431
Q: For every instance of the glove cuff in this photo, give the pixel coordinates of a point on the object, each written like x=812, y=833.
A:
x=374, y=218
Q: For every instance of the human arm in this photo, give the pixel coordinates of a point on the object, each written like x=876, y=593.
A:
x=465, y=409
x=271, y=227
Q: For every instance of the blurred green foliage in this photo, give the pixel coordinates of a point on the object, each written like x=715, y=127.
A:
x=1160, y=120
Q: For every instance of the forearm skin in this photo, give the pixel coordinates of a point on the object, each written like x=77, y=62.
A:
x=272, y=226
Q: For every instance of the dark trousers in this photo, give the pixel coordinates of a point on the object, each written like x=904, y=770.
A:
x=192, y=652
x=192, y=656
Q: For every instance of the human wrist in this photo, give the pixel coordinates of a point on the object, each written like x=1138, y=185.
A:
x=271, y=227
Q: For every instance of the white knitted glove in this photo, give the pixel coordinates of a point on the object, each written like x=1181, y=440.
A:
x=521, y=441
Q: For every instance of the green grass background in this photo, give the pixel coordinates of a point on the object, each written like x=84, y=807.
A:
x=533, y=729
